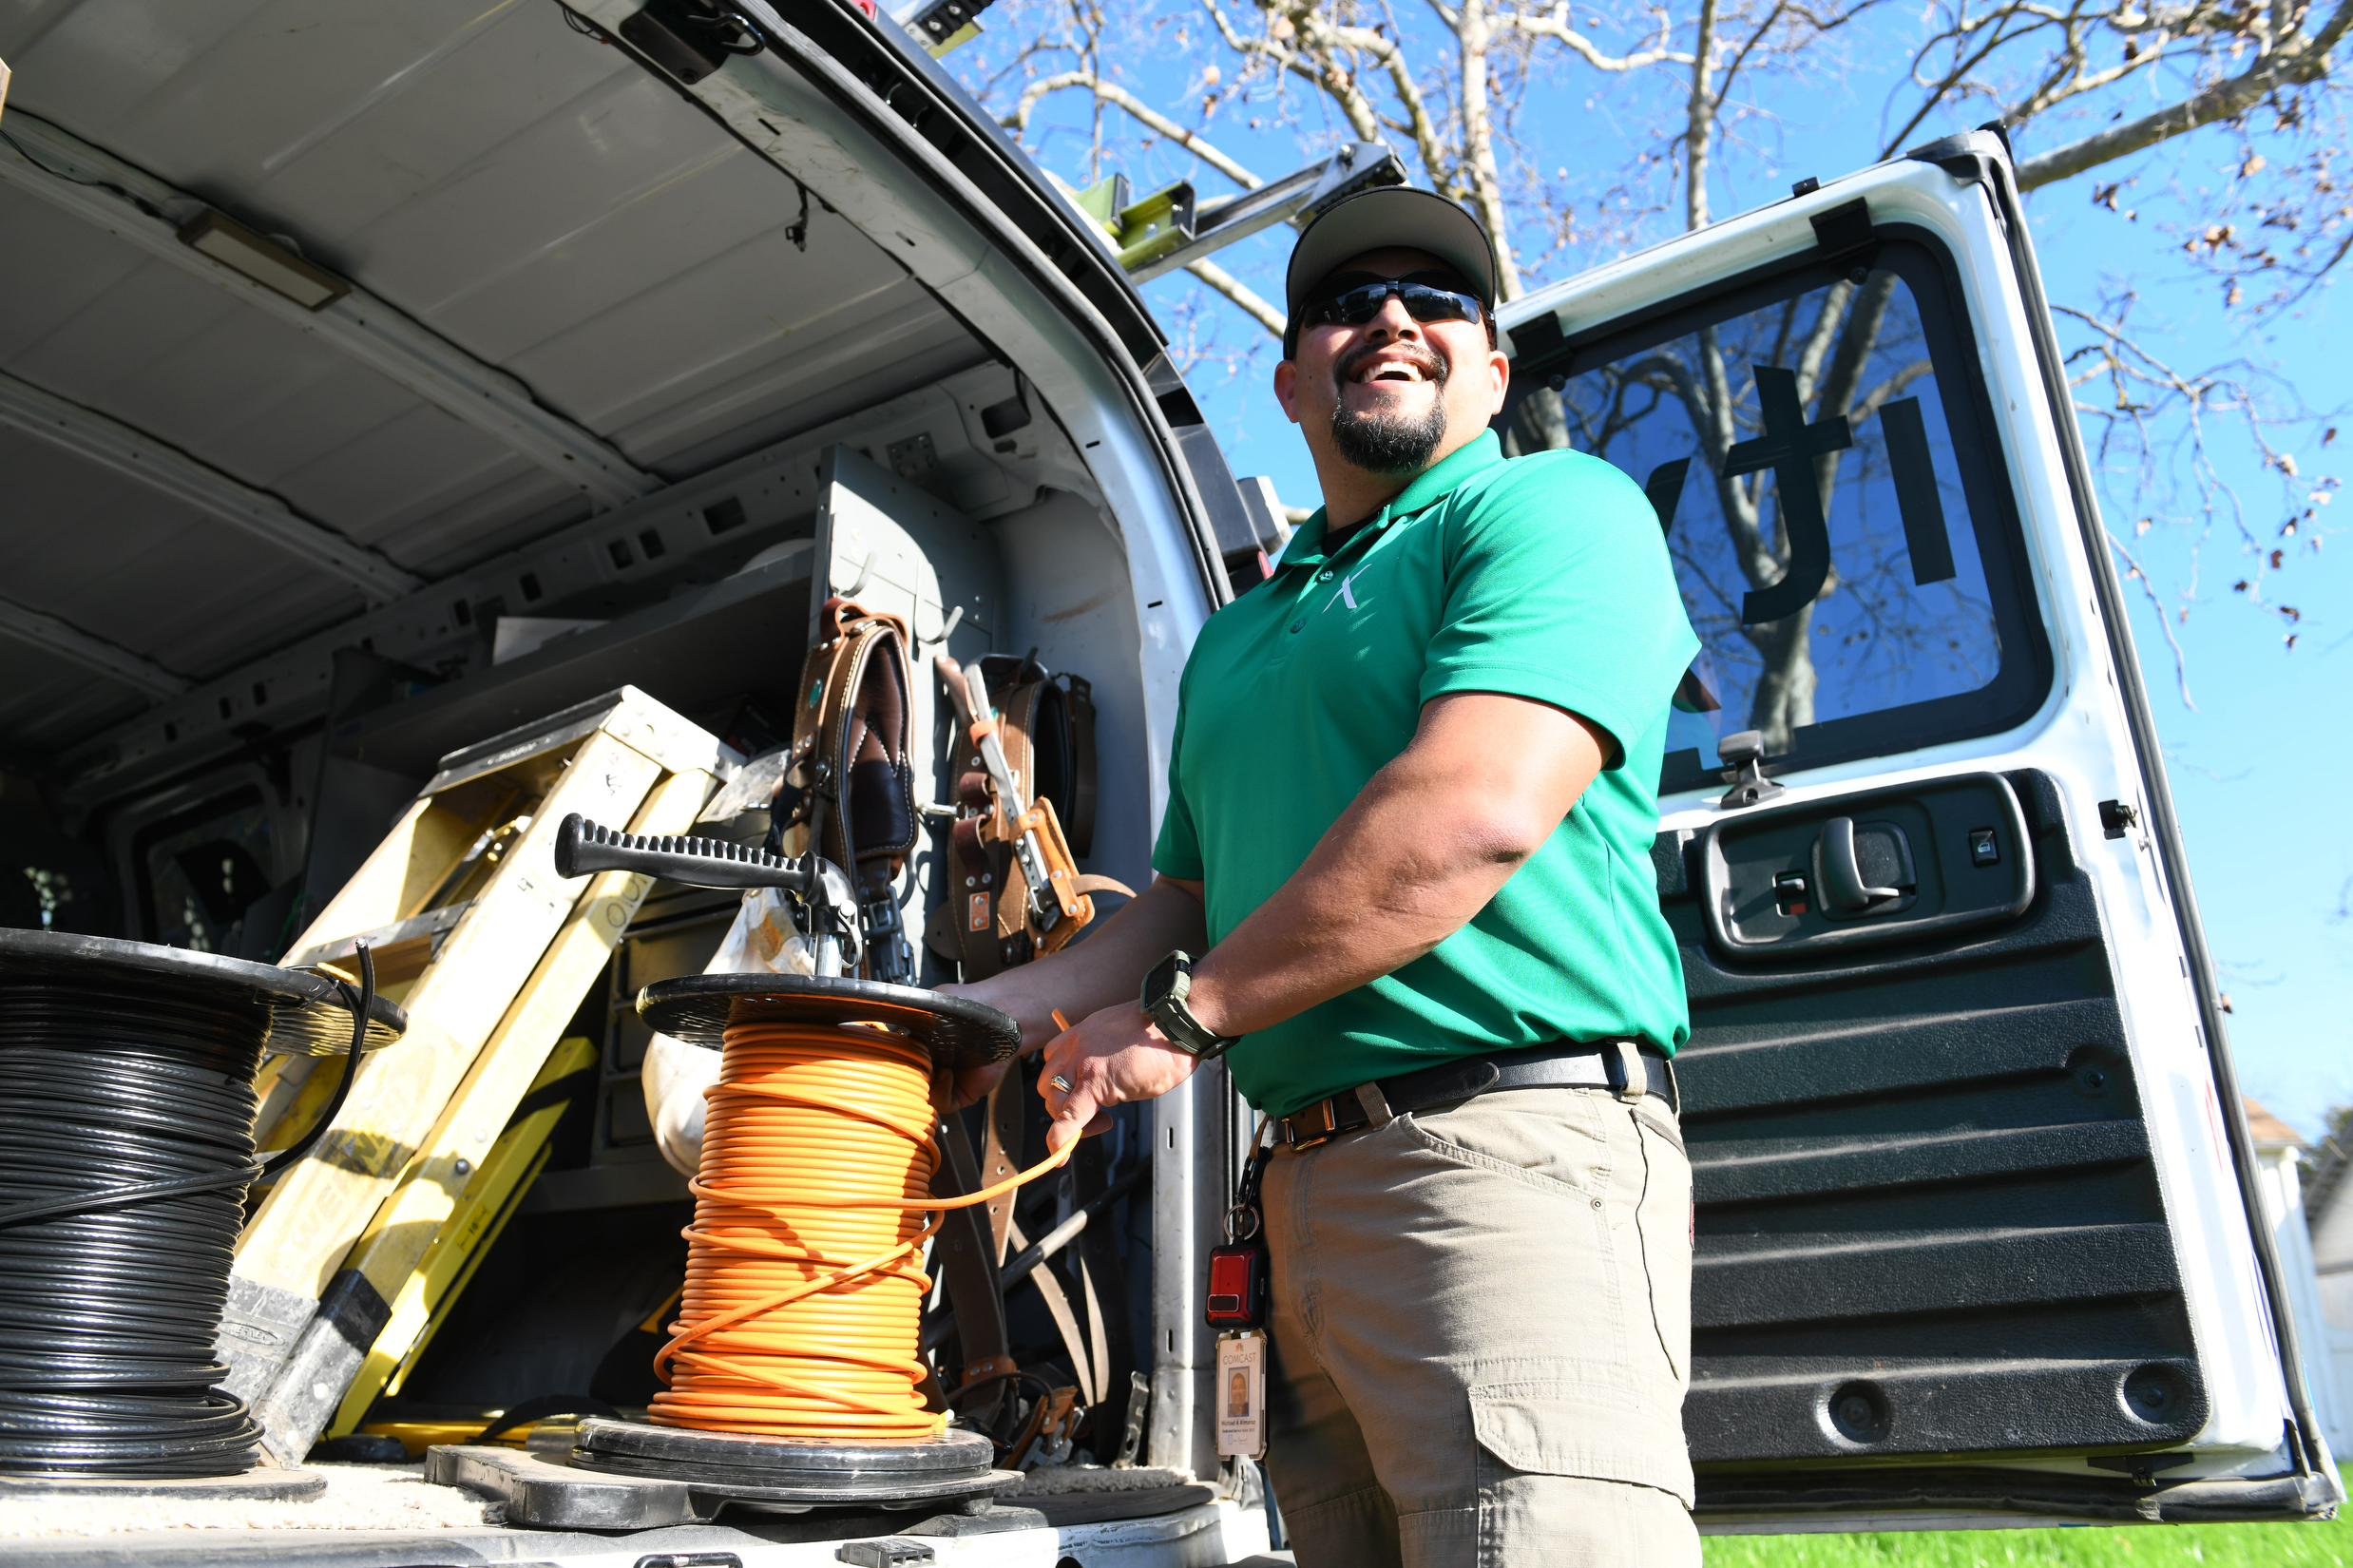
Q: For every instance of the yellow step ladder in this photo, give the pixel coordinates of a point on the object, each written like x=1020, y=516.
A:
x=491, y=953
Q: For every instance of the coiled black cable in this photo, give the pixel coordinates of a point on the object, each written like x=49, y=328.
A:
x=127, y=1110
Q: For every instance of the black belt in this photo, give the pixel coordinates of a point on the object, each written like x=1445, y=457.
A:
x=1567, y=1064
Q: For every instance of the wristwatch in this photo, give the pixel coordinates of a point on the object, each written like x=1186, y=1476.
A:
x=1164, y=1004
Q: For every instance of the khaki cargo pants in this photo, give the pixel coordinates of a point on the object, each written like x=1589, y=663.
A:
x=1481, y=1330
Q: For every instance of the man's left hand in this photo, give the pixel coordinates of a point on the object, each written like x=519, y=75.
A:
x=1107, y=1059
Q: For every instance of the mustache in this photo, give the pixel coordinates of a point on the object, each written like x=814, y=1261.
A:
x=1421, y=355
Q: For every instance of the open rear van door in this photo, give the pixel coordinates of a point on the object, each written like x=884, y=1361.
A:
x=1977, y=1235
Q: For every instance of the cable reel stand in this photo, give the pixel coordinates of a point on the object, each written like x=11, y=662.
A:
x=795, y=1374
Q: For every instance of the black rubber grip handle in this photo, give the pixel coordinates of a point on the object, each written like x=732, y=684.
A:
x=583, y=847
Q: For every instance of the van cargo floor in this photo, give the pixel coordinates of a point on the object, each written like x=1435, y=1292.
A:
x=390, y=1516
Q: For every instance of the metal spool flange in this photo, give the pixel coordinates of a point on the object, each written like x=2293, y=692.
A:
x=699, y=1009
x=310, y=1014
x=253, y=1486
x=793, y=1472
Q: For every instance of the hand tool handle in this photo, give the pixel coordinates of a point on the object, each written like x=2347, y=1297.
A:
x=1057, y=909
x=583, y=847
x=985, y=738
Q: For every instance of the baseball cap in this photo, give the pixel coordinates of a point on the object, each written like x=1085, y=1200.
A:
x=1391, y=216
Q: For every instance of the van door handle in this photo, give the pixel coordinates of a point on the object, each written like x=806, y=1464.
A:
x=1842, y=877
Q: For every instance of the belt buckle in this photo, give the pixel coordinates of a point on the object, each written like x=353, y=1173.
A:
x=1321, y=1111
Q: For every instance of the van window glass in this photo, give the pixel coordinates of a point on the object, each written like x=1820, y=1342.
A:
x=204, y=870
x=1817, y=449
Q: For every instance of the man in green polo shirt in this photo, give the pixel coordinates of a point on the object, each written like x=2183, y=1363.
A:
x=1404, y=887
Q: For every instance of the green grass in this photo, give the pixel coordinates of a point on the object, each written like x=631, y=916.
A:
x=2328, y=1545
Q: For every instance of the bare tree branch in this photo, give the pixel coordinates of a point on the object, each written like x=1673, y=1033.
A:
x=1700, y=128
x=1553, y=24
x=1428, y=142
x=1472, y=37
x=2165, y=621
x=1335, y=83
x=1160, y=124
x=1240, y=294
x=2300, y=63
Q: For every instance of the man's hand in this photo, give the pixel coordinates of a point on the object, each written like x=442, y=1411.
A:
x=1108, y=1059
x=1028, y=1005
x=1103, y=971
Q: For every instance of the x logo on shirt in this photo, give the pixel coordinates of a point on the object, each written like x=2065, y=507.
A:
x=1346, y=593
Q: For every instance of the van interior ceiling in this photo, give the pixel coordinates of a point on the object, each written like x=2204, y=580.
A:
x=468, y=373
x=557, y=427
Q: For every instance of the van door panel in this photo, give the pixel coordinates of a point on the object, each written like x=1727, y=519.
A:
x=1928, y=1221
x=1970, y=1234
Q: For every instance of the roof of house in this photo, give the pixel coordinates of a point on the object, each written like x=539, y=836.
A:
x=2268, y=1130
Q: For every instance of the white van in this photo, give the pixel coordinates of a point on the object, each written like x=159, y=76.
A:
x=375, y=385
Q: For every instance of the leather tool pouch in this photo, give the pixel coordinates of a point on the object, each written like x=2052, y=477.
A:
x=1046, y=725
x=1051, y=746
x=849, y=757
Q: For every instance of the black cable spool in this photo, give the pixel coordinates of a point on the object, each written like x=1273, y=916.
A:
x=127, y=1109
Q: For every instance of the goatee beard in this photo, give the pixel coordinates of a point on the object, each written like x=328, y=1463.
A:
x=1390, y=442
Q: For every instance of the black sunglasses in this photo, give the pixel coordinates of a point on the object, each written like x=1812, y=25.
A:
x=1424, y=295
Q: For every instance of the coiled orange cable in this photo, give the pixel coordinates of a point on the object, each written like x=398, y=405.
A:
x=804, y=1283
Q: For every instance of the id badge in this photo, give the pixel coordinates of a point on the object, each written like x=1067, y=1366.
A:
x=1242, y=1395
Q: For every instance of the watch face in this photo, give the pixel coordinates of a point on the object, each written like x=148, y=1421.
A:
x=1163, y=979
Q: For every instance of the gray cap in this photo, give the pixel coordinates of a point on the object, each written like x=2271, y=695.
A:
x=1391, y=216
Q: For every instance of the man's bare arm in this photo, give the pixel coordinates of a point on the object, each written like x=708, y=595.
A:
x=1426, y=843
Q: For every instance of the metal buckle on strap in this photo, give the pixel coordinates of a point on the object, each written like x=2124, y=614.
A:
x=1310, y=1125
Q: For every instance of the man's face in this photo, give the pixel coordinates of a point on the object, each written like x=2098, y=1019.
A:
x=1391, y=395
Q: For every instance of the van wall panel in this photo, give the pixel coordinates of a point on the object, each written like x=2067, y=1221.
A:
x=688, y=345
x=641, y=239
x=45, y=697
x=109, y=555
x=538, y=185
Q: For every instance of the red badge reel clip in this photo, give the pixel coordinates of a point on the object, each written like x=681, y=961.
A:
x=1238, y=1270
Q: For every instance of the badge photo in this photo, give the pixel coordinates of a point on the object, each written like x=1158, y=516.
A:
x=1242, y=1395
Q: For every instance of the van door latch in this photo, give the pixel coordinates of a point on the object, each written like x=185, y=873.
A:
x=1743, y=754
x=1839, y=872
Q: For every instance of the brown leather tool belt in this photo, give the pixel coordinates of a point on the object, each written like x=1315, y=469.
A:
x=1611, y=1064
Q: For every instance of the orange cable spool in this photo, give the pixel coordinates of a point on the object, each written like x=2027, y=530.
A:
x=804, y=1280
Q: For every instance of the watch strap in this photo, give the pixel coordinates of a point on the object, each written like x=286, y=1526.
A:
x=1186, y=1032
x=1176, y=1019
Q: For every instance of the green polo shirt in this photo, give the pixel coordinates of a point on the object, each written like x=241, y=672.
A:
x=1542, y=577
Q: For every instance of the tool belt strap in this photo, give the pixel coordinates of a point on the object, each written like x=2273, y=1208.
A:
x=1566, y=1065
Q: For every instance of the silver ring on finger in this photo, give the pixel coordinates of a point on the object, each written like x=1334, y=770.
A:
x=1060, y=1083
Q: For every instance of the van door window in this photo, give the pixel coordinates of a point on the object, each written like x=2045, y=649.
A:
x=202, y=869
x=1817, y=447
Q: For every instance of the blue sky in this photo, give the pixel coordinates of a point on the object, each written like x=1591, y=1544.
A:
x=2258, y=767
